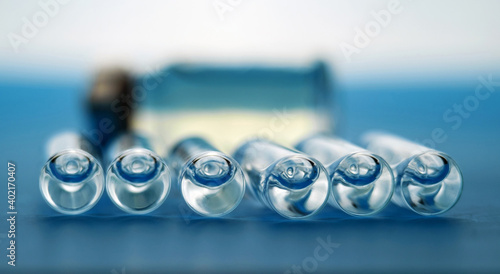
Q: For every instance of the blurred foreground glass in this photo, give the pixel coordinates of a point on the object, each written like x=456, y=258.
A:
x=137, y=181
x=362, y=182
x=211, y=182
x=72, y=180
x=428, y=182
x=285, y=180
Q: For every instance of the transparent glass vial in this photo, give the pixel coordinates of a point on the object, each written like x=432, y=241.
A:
x=138, y=180
x=211, y=182
x=72, y=180
x=362, y=182
x=287, y=181
x=428, y=182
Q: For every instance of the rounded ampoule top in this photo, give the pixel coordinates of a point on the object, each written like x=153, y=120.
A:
x=138, y=180
x=362, y=182
x=287, y=181
x=428, y=182
x=212, y=183
x=72, y=180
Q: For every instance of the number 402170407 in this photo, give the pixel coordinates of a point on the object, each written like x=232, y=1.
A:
x=11, y=171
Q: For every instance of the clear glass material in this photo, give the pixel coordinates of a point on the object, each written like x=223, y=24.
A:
x=138, y=180
x=428, y=182
x=362, y=182
x=227, y=103
x=211, y=182
x=285, y=180
x=72, y=180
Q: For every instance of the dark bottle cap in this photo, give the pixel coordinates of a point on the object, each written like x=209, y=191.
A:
x=110, y=105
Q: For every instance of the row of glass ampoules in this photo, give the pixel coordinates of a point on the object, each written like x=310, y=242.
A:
x=296, y=183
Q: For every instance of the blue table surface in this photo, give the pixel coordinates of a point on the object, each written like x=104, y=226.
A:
x=252, y=238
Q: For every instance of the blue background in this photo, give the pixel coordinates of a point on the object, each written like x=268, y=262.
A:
x=253, y=238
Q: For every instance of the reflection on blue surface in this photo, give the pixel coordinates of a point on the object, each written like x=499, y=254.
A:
x=252, y=238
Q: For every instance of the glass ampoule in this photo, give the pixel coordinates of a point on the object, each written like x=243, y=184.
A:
x=138, y=180
x=428, y=182
x=362, y=182
x=72, y=180
x=287, y=181
x=211, y=182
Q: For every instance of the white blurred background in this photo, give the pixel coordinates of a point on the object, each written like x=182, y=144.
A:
x=424, y=36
